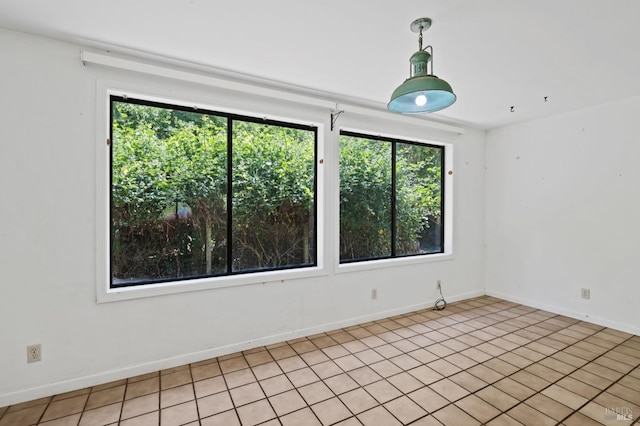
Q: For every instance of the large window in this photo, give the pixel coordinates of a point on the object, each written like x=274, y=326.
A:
x=198, y=193
x=391, y=198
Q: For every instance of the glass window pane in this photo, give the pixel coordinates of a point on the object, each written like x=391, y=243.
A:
x=273, y=196
x=418, y=199
x=365, y=198
x=168, y=193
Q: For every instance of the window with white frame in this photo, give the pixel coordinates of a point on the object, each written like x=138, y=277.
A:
x=197, y=193
x=391, y=198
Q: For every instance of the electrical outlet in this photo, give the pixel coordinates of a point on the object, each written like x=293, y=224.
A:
x=34, y=353
x=374, y=293
x=585, y=293
x=439, y=285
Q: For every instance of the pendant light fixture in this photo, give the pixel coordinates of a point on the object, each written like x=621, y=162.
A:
x=422, y=91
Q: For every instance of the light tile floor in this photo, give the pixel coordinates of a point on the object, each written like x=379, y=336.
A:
x=481, y=361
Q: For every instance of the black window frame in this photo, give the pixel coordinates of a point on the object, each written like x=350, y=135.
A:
x=443, y=218
x=231, y=117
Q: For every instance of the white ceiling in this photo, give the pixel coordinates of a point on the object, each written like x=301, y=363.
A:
x=495, y=53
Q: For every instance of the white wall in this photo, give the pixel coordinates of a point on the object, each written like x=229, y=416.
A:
x=563, y=210
x=48, y=240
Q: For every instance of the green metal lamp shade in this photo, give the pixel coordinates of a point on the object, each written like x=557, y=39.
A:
x=422, y=91
x=410, y=96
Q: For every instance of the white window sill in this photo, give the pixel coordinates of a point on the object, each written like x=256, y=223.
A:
x=159, y=289
x=367, y=265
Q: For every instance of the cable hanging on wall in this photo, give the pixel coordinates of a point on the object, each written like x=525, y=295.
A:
x=440, y=303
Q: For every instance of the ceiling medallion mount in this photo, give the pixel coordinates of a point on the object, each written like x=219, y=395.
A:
x=421, y=24
x=422, y=91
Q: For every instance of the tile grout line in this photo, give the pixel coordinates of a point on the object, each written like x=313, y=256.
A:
x=493, y=357
x=44, y=412
x=425, y=385
x=195, y=398
x=532, y=363
x=529, y=324
x=409, y=321
x=609, y=386
x=497, y=357
x=564, y=375
x=359, y=326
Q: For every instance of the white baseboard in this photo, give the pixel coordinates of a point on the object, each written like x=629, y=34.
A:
x=566, y=312
x=132, y=371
